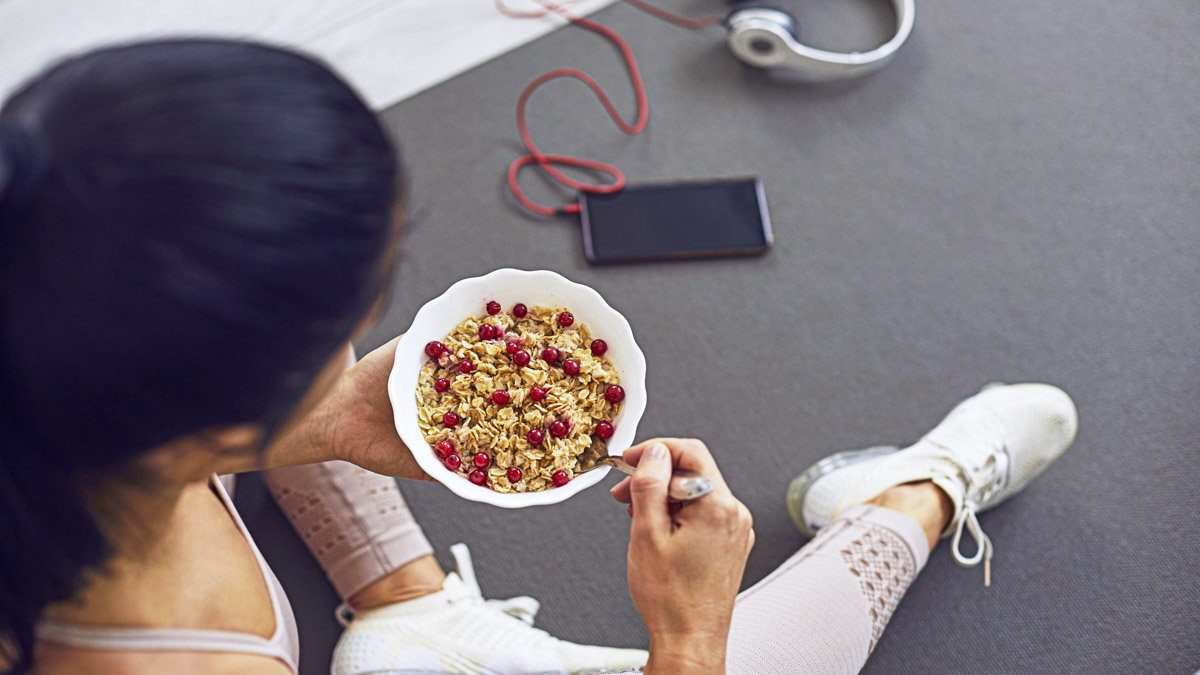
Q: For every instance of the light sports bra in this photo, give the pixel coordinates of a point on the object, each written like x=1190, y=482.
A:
x=282, y=645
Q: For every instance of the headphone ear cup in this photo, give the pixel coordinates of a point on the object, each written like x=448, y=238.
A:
x=786, y=21
x=765, y=36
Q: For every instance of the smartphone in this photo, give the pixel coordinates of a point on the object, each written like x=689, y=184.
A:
x=700, y=219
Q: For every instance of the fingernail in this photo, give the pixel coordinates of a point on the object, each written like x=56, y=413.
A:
x=656, y=453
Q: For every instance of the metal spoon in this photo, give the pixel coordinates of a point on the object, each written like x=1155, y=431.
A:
x=684, y=486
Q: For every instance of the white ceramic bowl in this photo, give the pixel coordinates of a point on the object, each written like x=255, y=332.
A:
x=508, y=287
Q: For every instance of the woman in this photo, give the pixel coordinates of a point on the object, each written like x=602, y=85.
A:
x=190, y=234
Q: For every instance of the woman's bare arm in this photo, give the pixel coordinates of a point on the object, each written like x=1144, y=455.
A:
x=352, y=422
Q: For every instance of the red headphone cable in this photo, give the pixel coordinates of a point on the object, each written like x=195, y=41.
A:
x=548, y=162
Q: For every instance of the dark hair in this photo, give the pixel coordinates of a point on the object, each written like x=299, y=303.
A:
x=188, y=231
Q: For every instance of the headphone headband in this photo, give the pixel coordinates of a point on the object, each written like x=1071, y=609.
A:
x=765, y=38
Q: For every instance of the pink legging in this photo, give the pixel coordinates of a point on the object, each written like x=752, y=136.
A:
x=355, y=522
x=820, y=612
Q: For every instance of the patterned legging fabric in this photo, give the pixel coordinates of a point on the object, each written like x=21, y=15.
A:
x=354, y=521
x=823, y=610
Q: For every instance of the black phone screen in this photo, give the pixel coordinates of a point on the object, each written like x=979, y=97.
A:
x=676, y=220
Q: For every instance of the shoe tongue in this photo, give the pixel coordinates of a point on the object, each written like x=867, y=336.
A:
x=973, y=439
x=455, y=588
x=954, y=490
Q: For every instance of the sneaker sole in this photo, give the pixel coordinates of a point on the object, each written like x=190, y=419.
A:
x=799, y=487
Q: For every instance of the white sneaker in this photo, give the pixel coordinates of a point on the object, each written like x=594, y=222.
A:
x=457, y=631
x=986, y=450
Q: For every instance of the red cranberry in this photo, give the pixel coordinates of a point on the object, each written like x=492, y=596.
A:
x=559, y=429
x=520, y=310
x=512, y=338
x=487, y=331
x=512, y=347
x=500, y=397
x=444, y=448
x=493, y=308
x=537, y=393
x=434, y=349
x=453, y=462
x=561, y=478
x=571, y=367
x=535, y=437
x=521, y=358
x=450, y=419
x=481, y=460
x=466, y=367
x=599, y=347
x=615, y=394
x=514, y=475
x=477, y=477
x=604, y=431
x=550, y=355
x=442, y=385
x=566, y=319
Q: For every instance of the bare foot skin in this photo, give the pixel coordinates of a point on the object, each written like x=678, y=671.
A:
x=924, y=501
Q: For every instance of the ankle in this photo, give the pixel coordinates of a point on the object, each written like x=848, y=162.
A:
x=416, y=579
x=924, y=502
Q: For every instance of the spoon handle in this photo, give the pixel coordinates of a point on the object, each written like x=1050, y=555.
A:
x=684, y=486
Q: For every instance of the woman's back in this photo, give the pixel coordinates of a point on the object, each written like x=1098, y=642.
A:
x=201, y=576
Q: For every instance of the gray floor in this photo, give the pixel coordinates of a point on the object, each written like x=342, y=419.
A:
x=1015, y=198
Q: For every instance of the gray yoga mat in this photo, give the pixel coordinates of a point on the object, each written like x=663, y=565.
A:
x=1014, y=198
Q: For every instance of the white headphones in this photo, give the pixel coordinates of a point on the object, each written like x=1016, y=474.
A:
x=766, y=38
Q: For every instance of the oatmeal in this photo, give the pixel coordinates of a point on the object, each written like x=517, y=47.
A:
x=518, y=401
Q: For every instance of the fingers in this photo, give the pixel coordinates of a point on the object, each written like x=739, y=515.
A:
x=672, y=509
x=620, y=491
x=648, y=490
x=686, y=453
x=722, y=511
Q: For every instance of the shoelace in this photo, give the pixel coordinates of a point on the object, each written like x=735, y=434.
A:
x=521, y=607
x=983, y=543
x=1000, y=466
